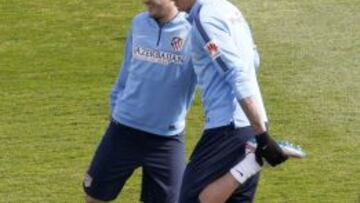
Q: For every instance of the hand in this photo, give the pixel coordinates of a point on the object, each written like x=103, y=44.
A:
x=269, y=149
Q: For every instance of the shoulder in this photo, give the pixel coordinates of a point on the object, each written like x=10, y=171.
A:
x=182, y=19
x=182, y=16
x=211, y=9
x=140, y=17
x=218, y=13
x=211, y=13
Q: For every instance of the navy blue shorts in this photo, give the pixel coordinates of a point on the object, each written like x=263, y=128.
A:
x=122, y=150
x=218, y=150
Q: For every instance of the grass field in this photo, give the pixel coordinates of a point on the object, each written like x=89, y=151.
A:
x=58, y=60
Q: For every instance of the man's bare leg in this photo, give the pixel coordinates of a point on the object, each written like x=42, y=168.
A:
x=221, y=189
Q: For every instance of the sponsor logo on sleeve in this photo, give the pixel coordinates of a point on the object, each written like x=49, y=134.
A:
x=213, y=49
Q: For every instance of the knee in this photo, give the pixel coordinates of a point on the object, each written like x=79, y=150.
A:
x=89, y=199
x=205, y=197
x=202, y=197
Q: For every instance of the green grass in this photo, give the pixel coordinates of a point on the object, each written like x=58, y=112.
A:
x=58, y=60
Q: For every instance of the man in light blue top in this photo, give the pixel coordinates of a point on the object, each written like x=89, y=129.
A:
x=148, y=106
x=225, y=59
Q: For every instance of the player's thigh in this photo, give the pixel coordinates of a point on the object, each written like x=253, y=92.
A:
x=115, y=159
x=246, y=192
x=163, y=170
x=216, y=153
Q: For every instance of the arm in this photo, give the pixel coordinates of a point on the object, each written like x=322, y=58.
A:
x=256, y=59
x=120, y=83
x=193, y=83
x=236, y=71
x=250, y=109
x=232, y=66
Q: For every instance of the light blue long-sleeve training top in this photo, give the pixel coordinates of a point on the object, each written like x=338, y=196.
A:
x=225, y=60
x=156, y=83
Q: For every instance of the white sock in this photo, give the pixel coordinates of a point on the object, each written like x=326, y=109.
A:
x=245, y=168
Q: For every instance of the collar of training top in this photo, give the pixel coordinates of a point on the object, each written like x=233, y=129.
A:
x=174, y=21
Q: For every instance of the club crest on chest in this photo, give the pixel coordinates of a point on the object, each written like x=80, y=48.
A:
x=177, y=44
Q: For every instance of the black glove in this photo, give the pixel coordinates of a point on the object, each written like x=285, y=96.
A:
x=269, y=149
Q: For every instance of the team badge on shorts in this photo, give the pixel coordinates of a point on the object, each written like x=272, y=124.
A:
x=87, y=180
x=213, y=49
x=177, y=43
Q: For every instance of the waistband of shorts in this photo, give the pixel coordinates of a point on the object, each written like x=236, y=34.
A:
x=247, y=130
x=144, y=133
x=230, y=126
